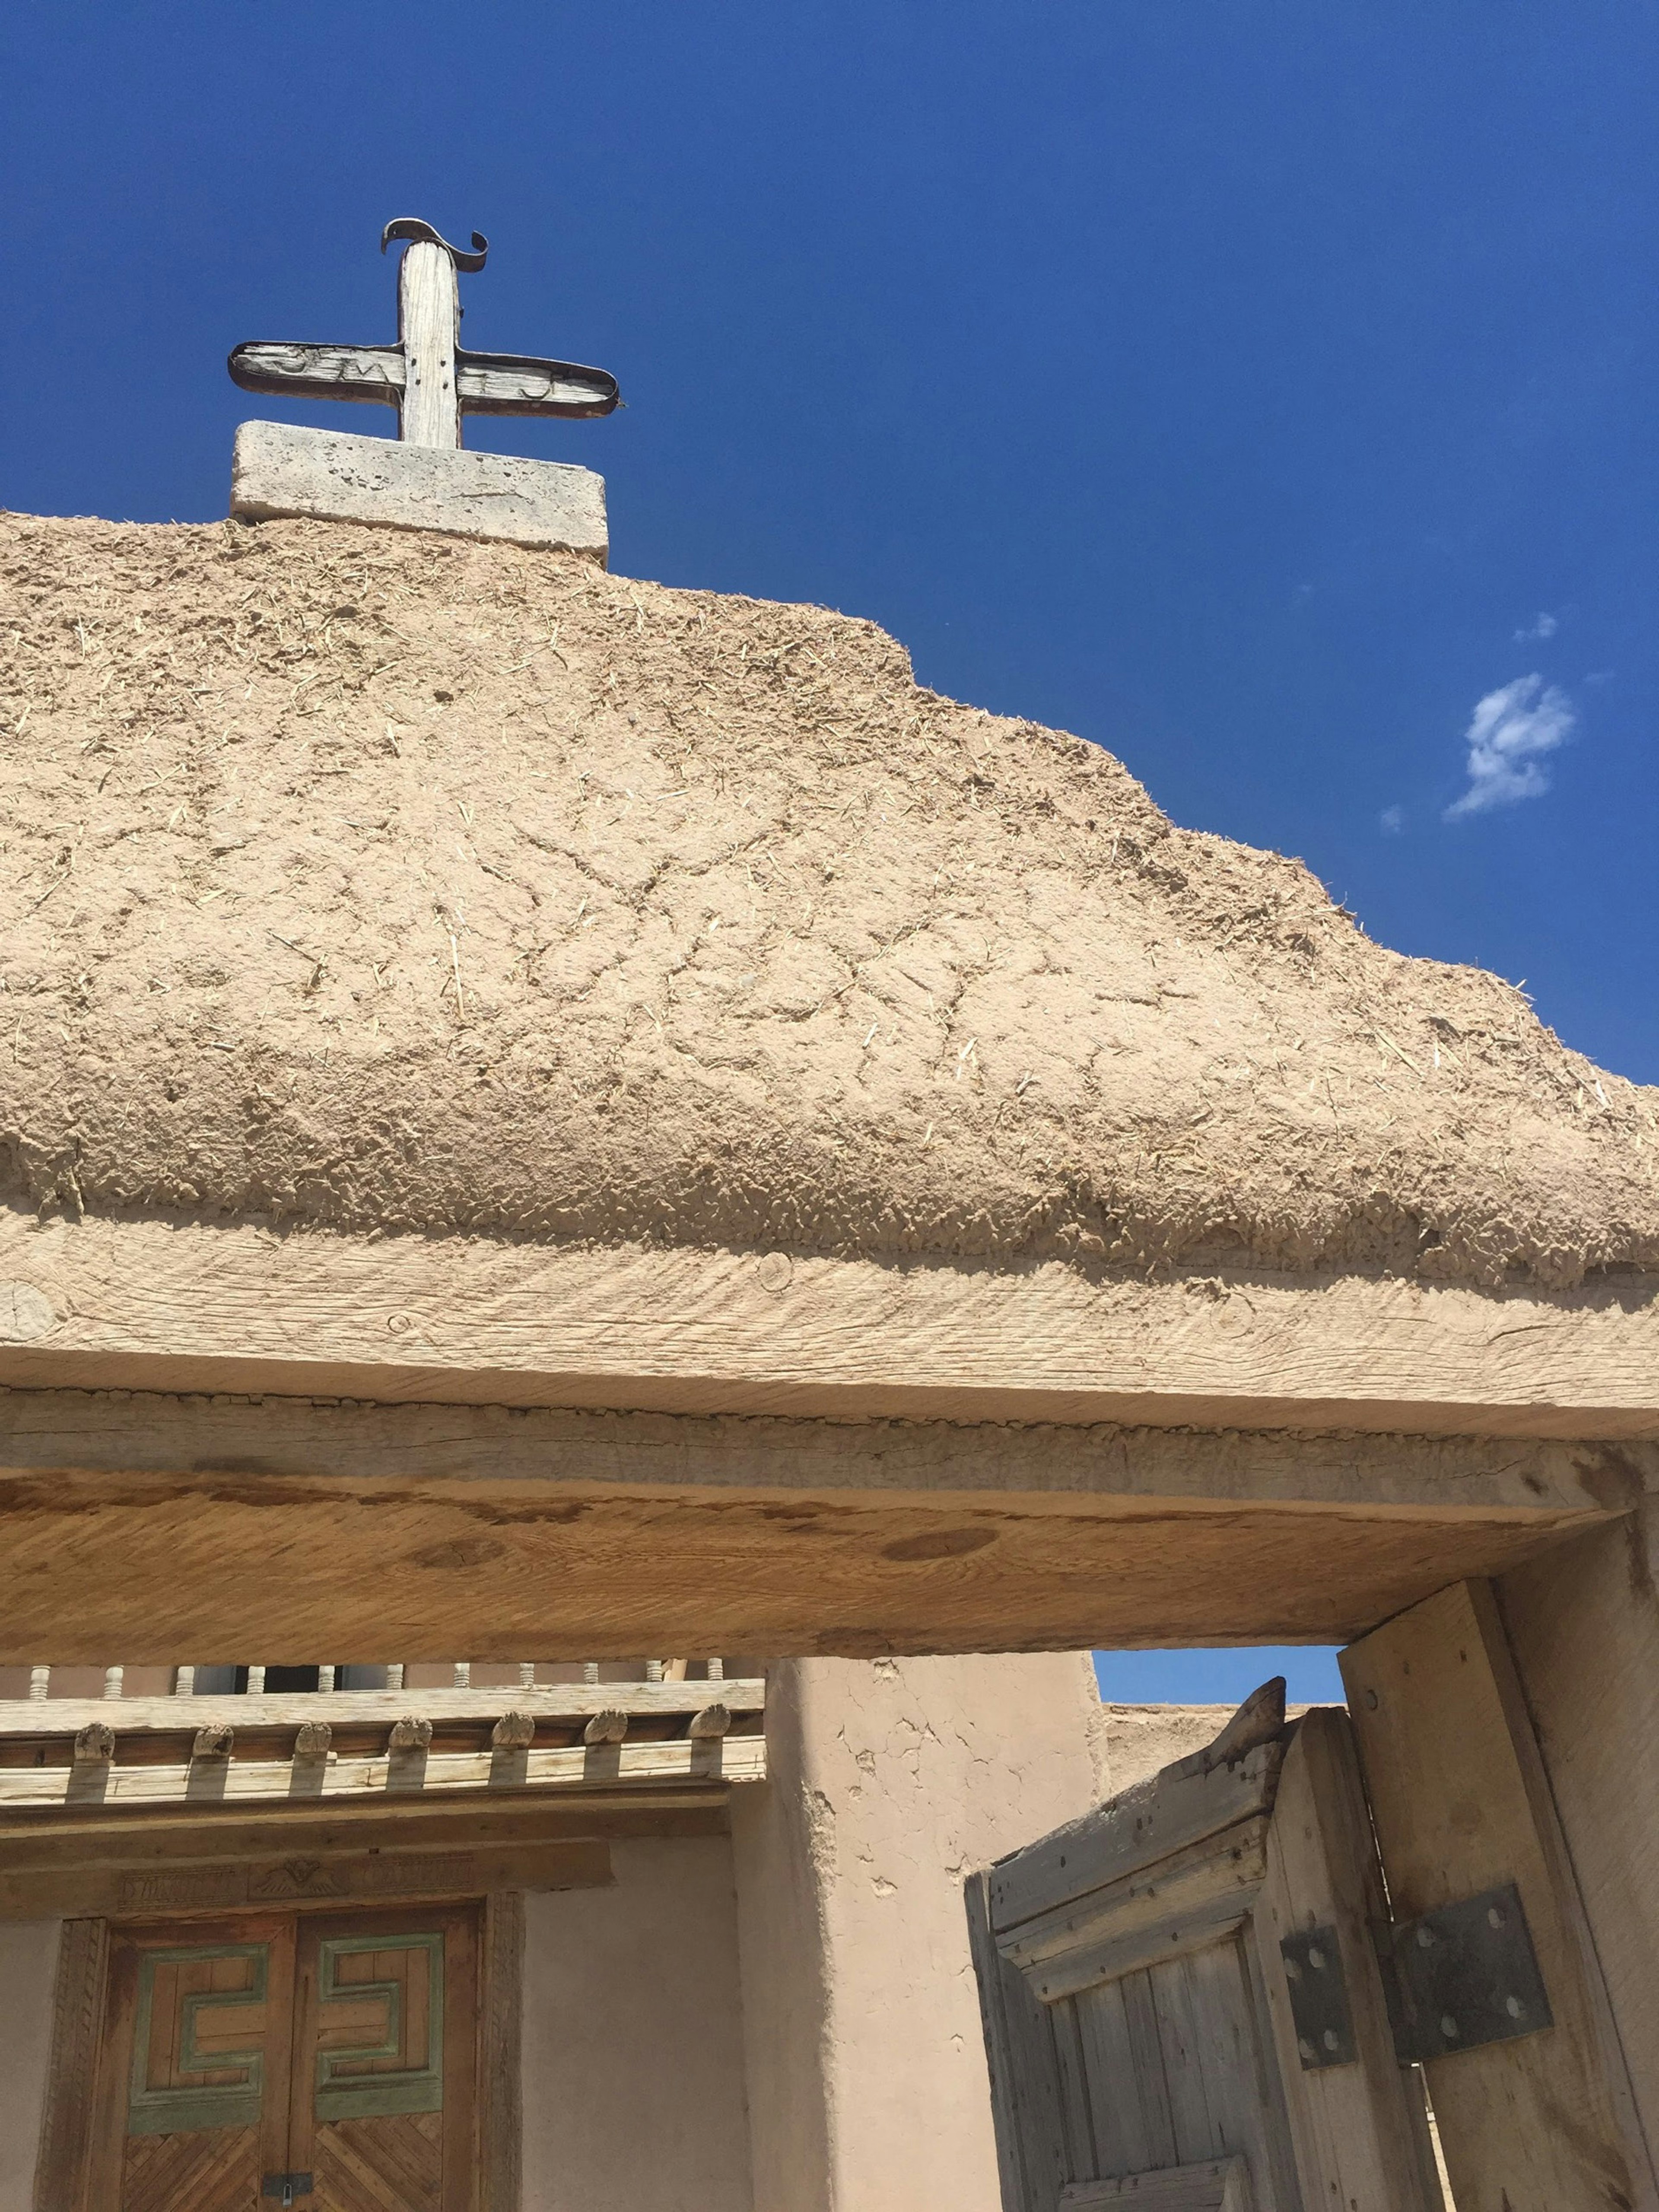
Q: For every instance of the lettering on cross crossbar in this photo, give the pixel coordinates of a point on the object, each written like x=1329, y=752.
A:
x=428, y=376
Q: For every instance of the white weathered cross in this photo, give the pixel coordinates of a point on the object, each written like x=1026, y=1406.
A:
x=427, y=376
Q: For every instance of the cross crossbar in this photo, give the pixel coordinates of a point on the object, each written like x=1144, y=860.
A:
x=428, y=376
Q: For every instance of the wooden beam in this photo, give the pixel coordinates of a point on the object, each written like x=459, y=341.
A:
x=303, y=1443
x=428, y=328
x=204, y=1833
x=154, y=1305
x=227, y=1781
x=32, y=1718
x=184, y=1888
x=145, y=1526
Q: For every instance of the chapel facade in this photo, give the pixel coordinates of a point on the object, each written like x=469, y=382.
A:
x=544, y=1112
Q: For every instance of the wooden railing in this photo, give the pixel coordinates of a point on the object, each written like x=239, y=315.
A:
x=673, y=1729
x=184, y=1684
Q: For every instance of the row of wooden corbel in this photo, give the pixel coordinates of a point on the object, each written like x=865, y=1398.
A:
x=94, y=1744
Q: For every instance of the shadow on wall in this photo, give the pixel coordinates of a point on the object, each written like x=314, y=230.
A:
x=1212, y=1676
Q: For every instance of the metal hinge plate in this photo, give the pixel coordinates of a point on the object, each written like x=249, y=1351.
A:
x=1319, y=1999
x=1463, y=1975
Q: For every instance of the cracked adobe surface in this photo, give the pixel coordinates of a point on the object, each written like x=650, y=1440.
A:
x=371, y=880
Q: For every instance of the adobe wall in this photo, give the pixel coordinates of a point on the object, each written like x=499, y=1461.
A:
x=28, y=1969
x=633, y=2074
x=890, y=1780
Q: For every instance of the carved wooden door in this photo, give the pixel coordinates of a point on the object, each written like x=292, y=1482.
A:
x=1182, y=2009
x=384, y=2059
x=326, y=2064
x=194, y=2071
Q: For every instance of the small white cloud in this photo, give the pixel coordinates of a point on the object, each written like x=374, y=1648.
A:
x=1541, y=626
x=1509, y=734
x=1392, y=821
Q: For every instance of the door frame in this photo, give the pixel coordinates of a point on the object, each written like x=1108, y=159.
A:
x=63, y=2169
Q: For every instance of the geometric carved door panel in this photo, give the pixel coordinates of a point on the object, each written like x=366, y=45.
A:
x=194, y=2067
x=326, y=2063
x=384, y=2062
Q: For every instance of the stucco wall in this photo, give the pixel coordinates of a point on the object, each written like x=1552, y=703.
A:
x=891, y=1779
x=633, y=2080
x=29, y=1967
x=1132, y=1741
x=776, y=1839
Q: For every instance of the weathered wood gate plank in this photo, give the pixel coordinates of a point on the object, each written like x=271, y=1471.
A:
x=1541, y=2123
x=1583, y=1624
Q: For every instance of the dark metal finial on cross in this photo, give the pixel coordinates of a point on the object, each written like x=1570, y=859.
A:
x=427, y=376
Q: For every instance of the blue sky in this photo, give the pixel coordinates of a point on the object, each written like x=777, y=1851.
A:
x=1268, y=391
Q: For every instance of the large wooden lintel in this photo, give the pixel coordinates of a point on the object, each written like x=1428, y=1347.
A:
x=145, y=1527
x=162, y=1306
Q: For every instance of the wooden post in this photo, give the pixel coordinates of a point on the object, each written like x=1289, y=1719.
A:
x=39, y=1682
x=428, y=323
x=1583, y=1626
x=1461, y=1803
x=112, y=1680
x=184, y=1682
x=1360, y=2131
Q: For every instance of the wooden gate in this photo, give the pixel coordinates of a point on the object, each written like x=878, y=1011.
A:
x=1205, y=1997
x=323, y=2064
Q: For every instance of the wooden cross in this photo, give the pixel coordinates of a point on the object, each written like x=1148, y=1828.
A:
x=427, y=376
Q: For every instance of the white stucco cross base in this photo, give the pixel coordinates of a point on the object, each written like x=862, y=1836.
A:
x=330, y=475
